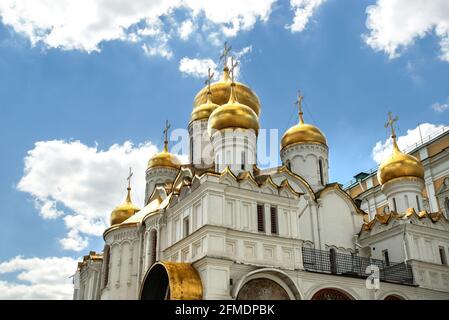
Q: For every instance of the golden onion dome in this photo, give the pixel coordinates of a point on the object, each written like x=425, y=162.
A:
x=164, y=159
x=124, y=211
x=399, y=165
x=302, y=133
x=204, y=110
x=221, y=93
x=233, y=115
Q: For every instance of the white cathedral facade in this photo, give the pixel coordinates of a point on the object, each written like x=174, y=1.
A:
x=221, y=228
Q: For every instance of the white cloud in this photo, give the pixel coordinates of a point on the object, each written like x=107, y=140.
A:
x=38, y=278
x=197, y=67
x=383, y=149
x=440, y=107
x=304, y=10
x=85, y=24
x=82, y=184
x=396, y=24
x=186, y=29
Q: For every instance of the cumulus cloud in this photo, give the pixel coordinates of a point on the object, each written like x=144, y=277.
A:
x=81, y=184
x=38, y=278
x=304, y=10
x=197, y=67
x=440, y=107
x=85, y=24
x=396, y=24
x=383, y=149
x=186, y=29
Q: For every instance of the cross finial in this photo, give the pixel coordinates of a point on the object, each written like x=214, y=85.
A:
x=298, y=102
x=234, y=64
x=390, y=124
x=224, y=55
x=167, y=126
x=129, y=177
x=210, y=76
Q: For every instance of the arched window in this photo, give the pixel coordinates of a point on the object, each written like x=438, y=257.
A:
x=289, y=165
x=153, y=241
x=191, y=150
x=243, y=160
x=395, y=208
x=320, y=165
x=407, y=204
x=418, y=204
x=446, y=205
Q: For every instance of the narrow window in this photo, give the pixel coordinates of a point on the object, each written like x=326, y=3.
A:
x=153, y=247
x=386, y=257
x=274, y=220
x=191, y=150
x=107, y=254
x=186, y=226
x=418, y=204
x=333, y=260
x=320, y=164
x=217, y=165
x=443, y=256
x=260, y=218
x=243, y=160
x=394, y=205
x=289, y=165
x=446, y=202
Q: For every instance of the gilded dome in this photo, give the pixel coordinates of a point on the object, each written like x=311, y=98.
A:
x=221, y=92
x=204, y=111
x=233, y=115
x=124, y=211
x=399, y=165
x=164, y=159
x=302, y=133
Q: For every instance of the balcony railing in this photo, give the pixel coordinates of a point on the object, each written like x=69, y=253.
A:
x=354, y=266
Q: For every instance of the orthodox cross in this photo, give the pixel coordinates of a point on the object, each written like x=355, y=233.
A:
x=129, y=177
x=167, y=126
x=209, y=78
x=298, y=102
x=390, y=124
x=234, y=64
x=225, y=54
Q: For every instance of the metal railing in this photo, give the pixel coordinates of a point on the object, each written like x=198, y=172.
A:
x=408, y=149
x=349, y=265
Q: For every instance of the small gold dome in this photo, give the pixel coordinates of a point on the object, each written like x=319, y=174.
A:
x=221, y=92
x=124, y=211
x=233, y=115
x=204, y=111
x=302, y=133
x=164, y=159
x=399, y=165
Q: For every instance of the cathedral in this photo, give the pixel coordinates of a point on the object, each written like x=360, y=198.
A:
x=220, y=227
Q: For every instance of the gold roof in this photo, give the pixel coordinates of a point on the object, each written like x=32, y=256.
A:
x=204, y=110
x=164, y=159
x=221, y=93
x=233, y=115
x=302, y=132
x=399, y=165
x=124, y=211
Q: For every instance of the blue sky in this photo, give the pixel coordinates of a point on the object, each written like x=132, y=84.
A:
x=64, y=89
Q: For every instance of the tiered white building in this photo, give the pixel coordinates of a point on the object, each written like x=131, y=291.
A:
x=221, y=228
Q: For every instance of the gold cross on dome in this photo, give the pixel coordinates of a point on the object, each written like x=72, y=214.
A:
x=129, y=177
x=234, y=64
x=390, y=124
x=298, y=102
x=224, y=55
x=210, y=76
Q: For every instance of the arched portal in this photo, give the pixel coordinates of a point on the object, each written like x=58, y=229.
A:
x=262, y=289
x=171, y=281
x=393, y=297
x=330, y=294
